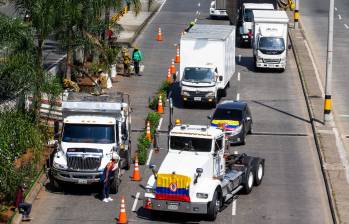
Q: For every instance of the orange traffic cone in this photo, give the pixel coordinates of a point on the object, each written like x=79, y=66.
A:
x=173, y=68
x=160, y=107
x=136, y=175
x=168, y=78
x=148, y=204
x=159, y=36
x=122, y=214
x=177, y=59
x=147, y=133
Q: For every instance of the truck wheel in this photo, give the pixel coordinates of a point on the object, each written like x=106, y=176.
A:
x=114, y=186
x=214, y=102
x=259, y=172
x=55, y=185
x=243, y=138
x=128, y=157
x=248, y=183
x=213, y=207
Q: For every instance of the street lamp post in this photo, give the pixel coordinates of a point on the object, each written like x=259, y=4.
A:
x=328, y=84
x=296, y=15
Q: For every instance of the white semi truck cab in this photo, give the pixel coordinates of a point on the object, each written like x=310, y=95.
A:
x=94, y=128
x=270, y=39
x=198, y=174
x=207, y=62
x=245, y=23
x=218, y=9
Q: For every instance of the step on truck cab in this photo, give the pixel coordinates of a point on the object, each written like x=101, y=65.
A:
x=270, y=39
x=207, y=62
x=199, y=174
x=245, y=23
x=94, y=128
x=218, y=9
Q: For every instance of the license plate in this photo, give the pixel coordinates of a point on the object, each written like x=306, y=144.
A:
x=172, y=207
x=197, y=98
x=82, y=181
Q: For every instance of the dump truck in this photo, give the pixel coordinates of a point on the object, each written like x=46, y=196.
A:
x=94, y=129
x=199, y=173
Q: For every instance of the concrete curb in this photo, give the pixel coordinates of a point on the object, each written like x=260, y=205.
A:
x=31, y=196
x=326, y=177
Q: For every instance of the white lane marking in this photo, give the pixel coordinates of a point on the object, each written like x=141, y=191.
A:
x=346, y=26
x=342, y=153
x=134, y=206
x=239, y=56
x=199, y=4
x=335, y=9
x=149, y=157
x=344, y=115
x=238, y=76
x=339, y=17
x=330, y=132
x=159, y=125
x=233, y=207
x=238, y=96
x=315, y=68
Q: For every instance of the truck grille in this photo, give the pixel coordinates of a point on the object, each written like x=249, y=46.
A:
x=273, y=61
x=83, y=162
x=197, y=94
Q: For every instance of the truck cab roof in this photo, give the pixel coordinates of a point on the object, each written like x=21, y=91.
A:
x=267, y=16
x=200, y=131
x=259, y=6
x=203, y=31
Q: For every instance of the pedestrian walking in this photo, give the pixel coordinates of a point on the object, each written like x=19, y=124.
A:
x=137, y=57
x=108, y=172
x=126, y=61
x=23, y=207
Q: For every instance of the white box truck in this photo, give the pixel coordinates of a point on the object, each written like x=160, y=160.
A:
x=270, y=39
x=207, y=62
x=94, y=129
x=245, y=23
x=218, y=9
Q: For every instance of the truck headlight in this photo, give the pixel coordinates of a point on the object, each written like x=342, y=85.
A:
x=59, y=166
x=150, y=190
x=236, y=131
x=185, y=93
x=210, y=94
x=259, y=60
x=202, y=195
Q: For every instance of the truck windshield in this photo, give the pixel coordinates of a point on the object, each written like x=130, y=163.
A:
x=190, y=144
x=198, y=75
x=88, y=133
x=226, y=114
x=273, y=44
x=248, y=15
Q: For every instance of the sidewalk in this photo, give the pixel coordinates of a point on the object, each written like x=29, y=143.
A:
x=331, y=151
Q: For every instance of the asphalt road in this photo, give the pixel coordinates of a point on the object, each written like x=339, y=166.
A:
x=314, y=17
x=292, y=190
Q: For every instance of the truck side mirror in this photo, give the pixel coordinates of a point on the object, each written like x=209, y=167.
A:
x=153, y=167
x=220, y=78
x=289, y=46
x=198, y=174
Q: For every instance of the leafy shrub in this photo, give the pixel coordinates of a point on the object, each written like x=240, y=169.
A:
x=154, y=102
x=143, y=145
x=153, y=118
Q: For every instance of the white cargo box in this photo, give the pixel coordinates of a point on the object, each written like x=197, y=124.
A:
x=207, y=46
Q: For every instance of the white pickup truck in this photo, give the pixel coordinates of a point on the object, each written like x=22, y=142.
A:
x=94, y=128
x=198, y=175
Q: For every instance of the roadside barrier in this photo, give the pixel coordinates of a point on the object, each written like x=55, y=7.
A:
x=172, y=68
x=122, y=214
x=159, y=37
x=148, y=134
x=177, y=59
x=160, y=107
x=136, y=175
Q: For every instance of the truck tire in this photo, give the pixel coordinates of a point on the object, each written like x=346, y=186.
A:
x=128, y=157
x=258, y=172
x=248, y=182
x=214, y=206
x=55, y=185
x=114, y=185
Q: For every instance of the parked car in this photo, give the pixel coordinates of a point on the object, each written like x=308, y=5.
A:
x=236, y=119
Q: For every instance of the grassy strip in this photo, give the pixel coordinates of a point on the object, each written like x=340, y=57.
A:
x=153, y=117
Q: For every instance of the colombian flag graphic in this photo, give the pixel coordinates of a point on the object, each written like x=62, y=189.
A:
x=229, y=125
x=172, y=187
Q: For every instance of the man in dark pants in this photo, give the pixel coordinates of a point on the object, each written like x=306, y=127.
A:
x=137, y=57
x=107, y=174
x=22, y=206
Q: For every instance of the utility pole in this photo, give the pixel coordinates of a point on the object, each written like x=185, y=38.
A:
x=328, y=84
x=296, y=15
